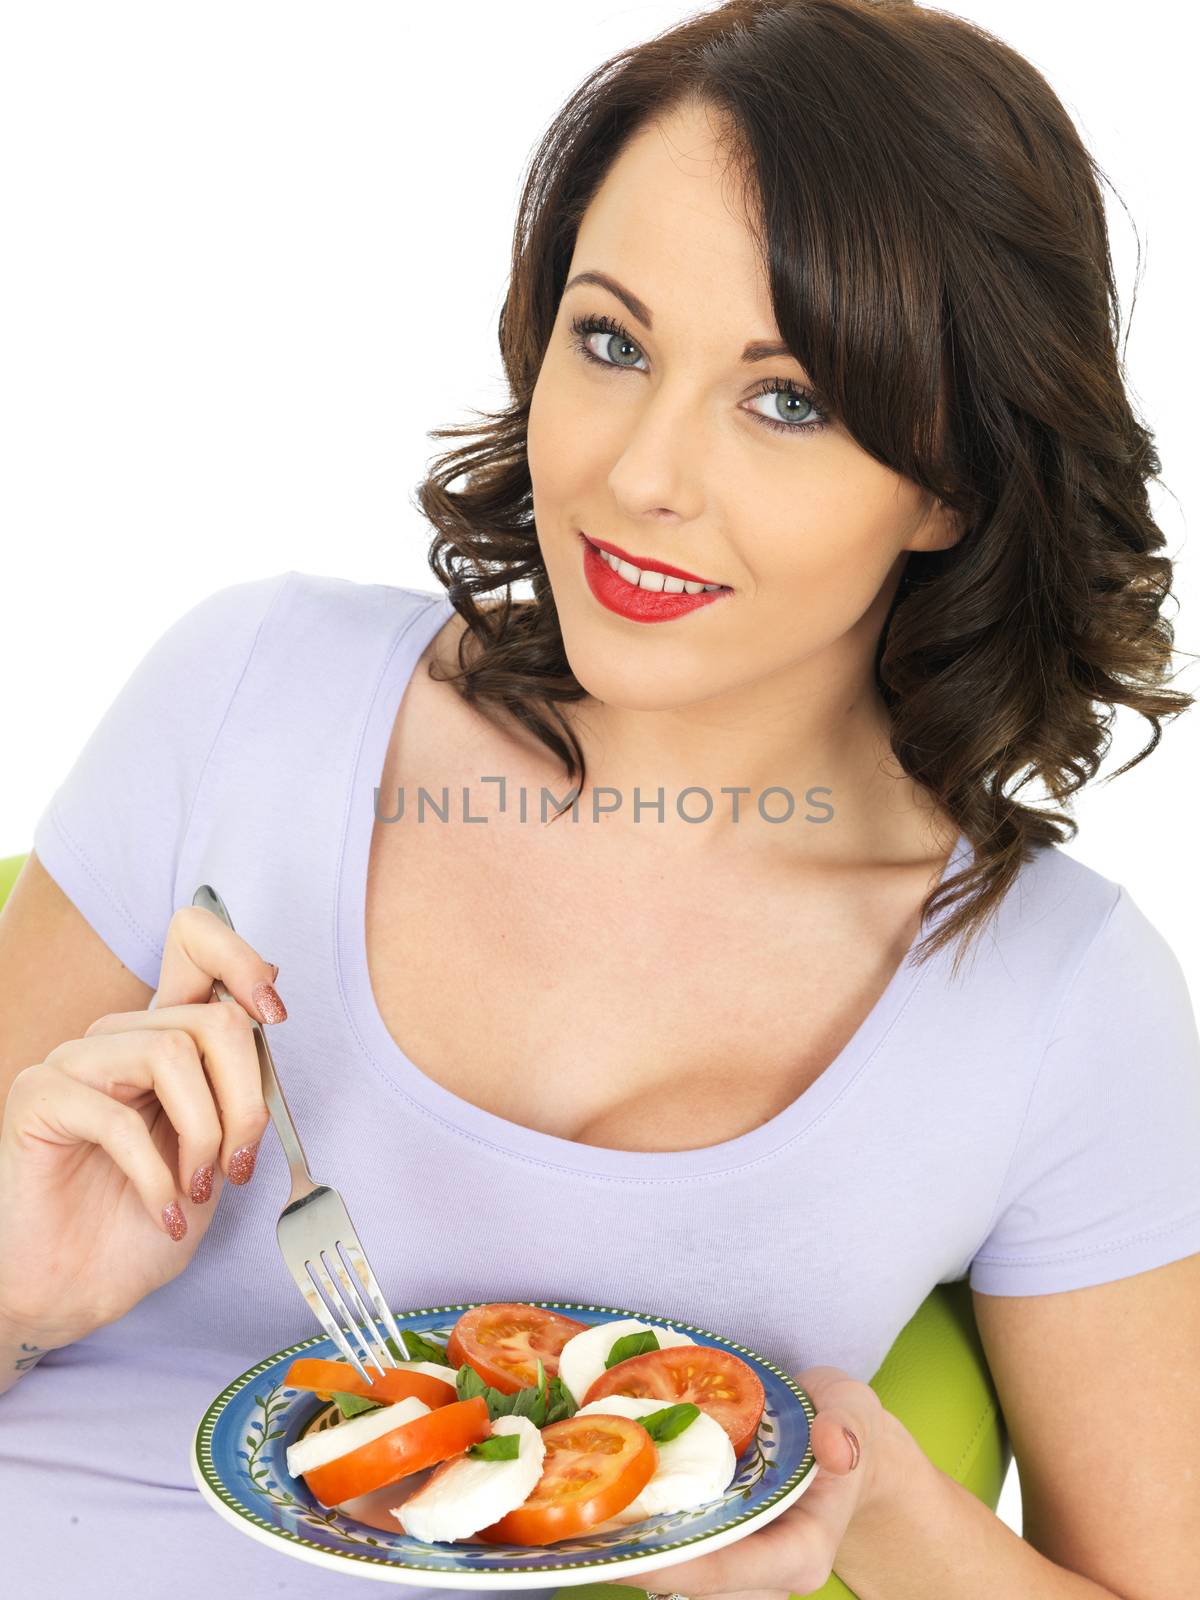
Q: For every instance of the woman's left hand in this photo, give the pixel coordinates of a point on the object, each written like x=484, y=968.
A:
x=795, y=1553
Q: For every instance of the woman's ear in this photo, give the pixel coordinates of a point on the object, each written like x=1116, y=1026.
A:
x=939, y=529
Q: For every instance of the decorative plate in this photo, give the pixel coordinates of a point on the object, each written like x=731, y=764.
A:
x=239, y=1462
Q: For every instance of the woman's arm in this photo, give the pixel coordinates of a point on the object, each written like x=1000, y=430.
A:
x=19, y=1354
x=56, y=973
x=889, y=1524
x=931, y=1539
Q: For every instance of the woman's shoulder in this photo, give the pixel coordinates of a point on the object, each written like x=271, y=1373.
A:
x=352, y=602
x=1067, y=923
x=292, y=622
x=268, y=604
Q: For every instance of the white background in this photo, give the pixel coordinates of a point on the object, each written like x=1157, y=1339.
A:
x=255, y=251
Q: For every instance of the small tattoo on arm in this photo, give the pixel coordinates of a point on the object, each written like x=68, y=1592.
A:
x=33, y=1354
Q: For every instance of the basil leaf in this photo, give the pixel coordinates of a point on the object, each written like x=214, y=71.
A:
x=529, y=1403
x=547, y=1401
x=632, y=1344
x=418, y=1349
x=353, y=1405
x=560, y=1402
x=670, y=1422
x=498, y=1447
x=468, y=1383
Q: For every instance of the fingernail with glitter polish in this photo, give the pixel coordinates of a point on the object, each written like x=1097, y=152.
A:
x=202, y=1185
x=268, y=1004
x=241, y=1164
x=174, y=1220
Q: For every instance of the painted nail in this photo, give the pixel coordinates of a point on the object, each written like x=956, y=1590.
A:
x=853, y=1443
x=174, y=1220
x=202, y=1185
x=241, y=1164
x=270, y=1007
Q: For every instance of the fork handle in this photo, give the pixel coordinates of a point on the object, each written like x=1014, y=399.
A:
x=302, y=1179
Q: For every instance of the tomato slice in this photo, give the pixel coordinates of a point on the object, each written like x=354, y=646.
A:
x=411, y=1447
x=503, y=1341
x=394, y=1384
x=715, y=1380
x=594, y=1467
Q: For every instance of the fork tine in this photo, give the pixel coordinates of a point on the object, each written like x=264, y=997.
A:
x=362, y=1270
x=352, y=1278
x=316, y=1301
x=344, y=1314
x=373, y=1347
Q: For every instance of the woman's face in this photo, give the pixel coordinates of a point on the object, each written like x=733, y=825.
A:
x=662, y=445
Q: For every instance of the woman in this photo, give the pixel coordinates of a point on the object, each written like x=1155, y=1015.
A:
x=810, y=302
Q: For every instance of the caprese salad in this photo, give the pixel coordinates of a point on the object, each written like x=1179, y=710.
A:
x=537, y=1427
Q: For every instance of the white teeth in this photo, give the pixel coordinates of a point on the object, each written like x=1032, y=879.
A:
x=656, y=581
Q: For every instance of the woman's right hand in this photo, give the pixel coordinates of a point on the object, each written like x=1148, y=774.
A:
x=105, y=1144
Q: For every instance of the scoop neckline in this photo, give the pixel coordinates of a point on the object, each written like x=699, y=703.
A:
x=461, y=1116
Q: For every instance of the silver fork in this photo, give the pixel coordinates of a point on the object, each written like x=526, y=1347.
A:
x=316, y=1237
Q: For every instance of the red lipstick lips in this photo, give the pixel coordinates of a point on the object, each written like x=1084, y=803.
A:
x=648, y=566
x=631, y=600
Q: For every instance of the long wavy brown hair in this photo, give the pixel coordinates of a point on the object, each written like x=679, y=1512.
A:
x=938, y=261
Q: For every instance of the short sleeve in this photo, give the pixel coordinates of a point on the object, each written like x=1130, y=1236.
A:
x=1104, y=1181
x=111, y=833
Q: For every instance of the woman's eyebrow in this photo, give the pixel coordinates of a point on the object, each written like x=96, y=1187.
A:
x=759, y=350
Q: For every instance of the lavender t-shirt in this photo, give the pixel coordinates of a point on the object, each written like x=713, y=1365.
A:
x=1033, y=1124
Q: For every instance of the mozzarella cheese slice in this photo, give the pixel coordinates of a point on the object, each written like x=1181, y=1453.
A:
x=581, y=1360
x=693, y=1468
x=318, y=1449
x=435, y=1369
x=473, y=1493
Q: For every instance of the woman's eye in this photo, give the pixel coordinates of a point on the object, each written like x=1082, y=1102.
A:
x=789, y=401
x=790, y=408
x=613, y=350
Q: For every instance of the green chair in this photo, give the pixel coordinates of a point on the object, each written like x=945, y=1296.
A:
x=9, y=867
x=935, y=1378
